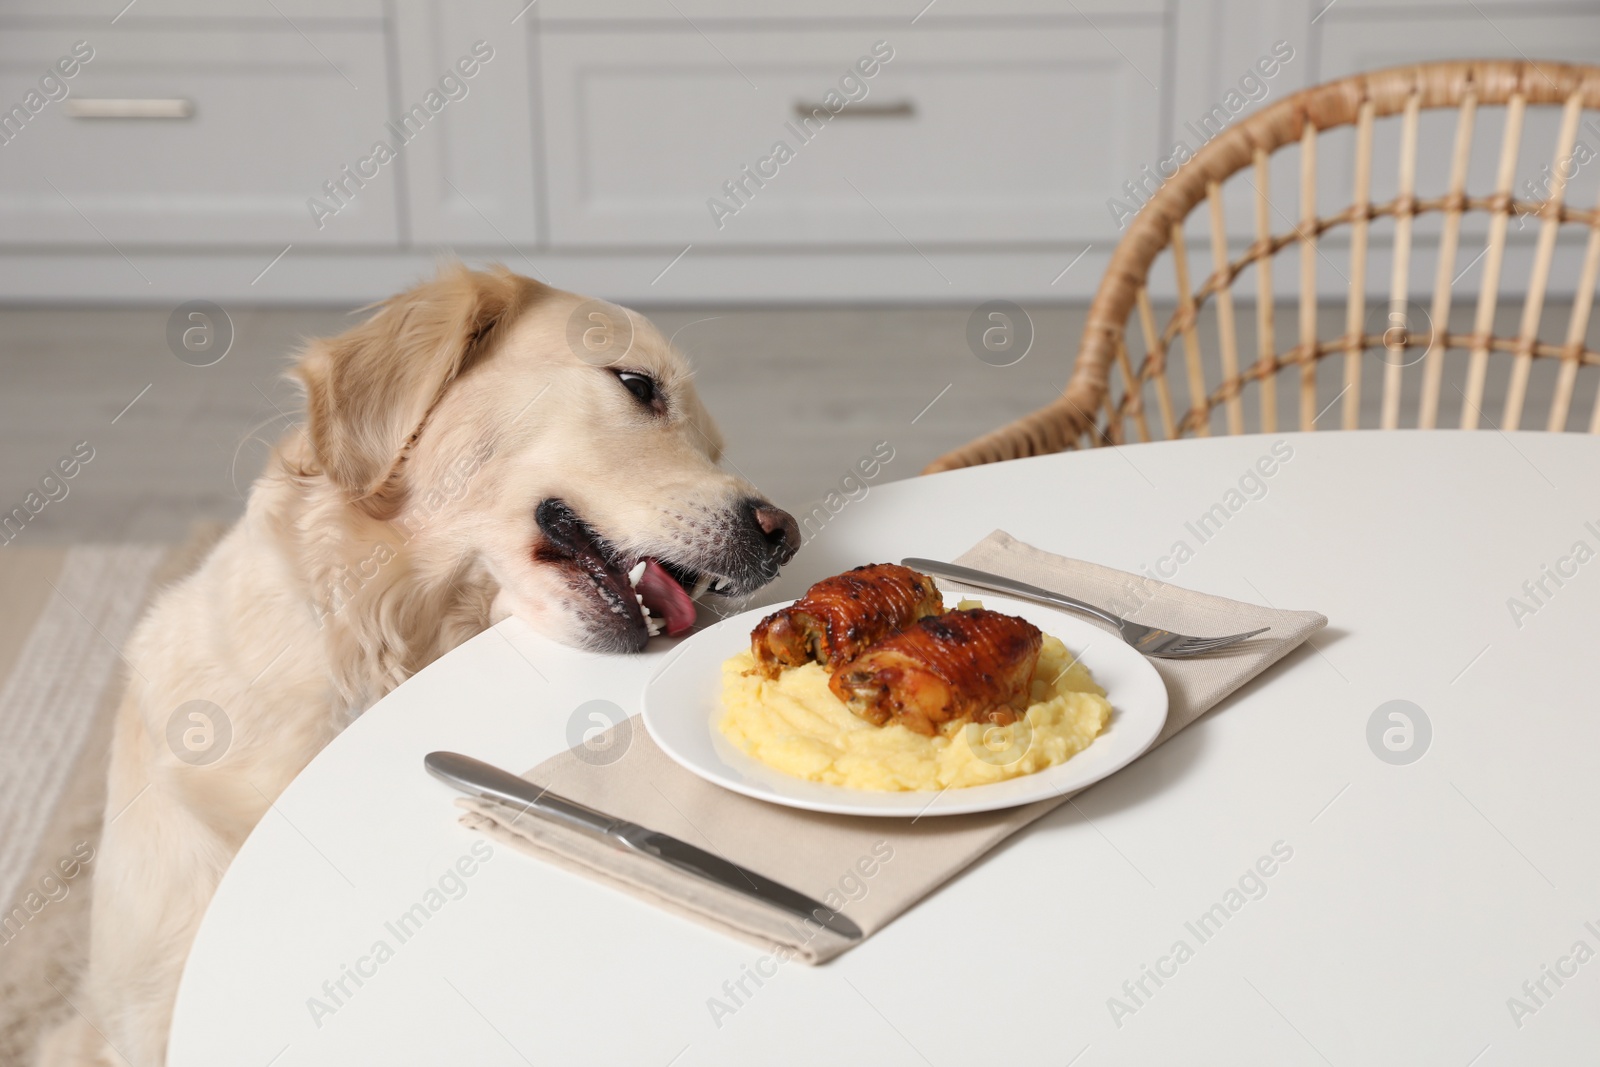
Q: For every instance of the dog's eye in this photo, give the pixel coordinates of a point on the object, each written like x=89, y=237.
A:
x=640, y=385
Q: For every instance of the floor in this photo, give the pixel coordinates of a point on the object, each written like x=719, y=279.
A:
x=801, y=394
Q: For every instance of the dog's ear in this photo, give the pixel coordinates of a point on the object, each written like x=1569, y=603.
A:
x=369, y=390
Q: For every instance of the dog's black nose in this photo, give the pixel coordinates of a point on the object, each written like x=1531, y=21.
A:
x=782, y=533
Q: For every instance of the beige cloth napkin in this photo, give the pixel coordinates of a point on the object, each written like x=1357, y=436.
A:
x=869, y=869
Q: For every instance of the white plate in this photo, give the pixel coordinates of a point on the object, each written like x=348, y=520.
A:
x=683, y=702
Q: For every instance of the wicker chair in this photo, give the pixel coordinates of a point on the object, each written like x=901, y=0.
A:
x=1094, y=410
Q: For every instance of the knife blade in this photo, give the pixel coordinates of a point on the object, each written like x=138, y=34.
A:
x=490, y=782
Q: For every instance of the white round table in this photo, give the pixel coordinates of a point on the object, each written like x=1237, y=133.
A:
x=1418, y=918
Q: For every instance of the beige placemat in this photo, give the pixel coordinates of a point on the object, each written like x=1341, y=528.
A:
x=871, y=870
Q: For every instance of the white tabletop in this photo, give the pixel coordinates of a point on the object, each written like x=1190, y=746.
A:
x=1418, y=899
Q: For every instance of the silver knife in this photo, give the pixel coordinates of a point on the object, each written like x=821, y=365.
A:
x=485, y=780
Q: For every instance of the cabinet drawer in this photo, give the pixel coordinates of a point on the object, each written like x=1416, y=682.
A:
x=787, y=11
x=978, y=135
x=271, y=116
x=97, y=13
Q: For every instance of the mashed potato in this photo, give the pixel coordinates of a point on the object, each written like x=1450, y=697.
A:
x=797, y=725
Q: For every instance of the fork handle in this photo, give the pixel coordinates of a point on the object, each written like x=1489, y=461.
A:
x=1001, y=584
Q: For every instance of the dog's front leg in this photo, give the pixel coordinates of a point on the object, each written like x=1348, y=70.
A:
x=160, y=859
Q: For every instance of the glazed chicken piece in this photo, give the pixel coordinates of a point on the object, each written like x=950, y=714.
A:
x=964, y=665
x=840, y=617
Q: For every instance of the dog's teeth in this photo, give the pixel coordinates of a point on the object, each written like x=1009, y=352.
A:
x=723, y=585
x=700, y=587
x=652, y=625
x=637, y=573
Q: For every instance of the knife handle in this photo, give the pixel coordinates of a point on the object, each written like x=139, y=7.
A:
x=490, y=782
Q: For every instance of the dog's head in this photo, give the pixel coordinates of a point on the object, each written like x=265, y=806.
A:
x=558, y=440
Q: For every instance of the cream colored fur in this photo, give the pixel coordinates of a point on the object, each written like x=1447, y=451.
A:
x=393, y=526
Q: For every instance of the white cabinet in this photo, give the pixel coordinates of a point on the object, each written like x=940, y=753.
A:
x=780, y=14
x=604, y=138
x=186, y=137
x=97, y=14
x=759, y=137
x=1365, y=38
x=475, y=183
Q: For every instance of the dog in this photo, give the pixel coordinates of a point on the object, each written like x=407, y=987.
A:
x=481, y=446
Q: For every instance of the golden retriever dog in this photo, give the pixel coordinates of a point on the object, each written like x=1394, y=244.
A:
x=469, y=452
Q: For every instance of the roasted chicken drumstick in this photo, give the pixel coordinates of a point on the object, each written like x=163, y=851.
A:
x=975, y=665
x=840, y=617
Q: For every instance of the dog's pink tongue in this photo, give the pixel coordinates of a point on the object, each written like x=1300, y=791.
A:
x=665, y=598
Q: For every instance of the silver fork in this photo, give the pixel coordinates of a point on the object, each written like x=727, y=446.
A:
x=1163, y=644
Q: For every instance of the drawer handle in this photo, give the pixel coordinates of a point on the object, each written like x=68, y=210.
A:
x=900, y=109
x=112, y=107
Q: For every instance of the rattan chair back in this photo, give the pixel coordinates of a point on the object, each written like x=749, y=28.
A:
x=1113, y=397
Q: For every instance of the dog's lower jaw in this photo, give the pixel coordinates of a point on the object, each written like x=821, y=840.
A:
x=613, y=642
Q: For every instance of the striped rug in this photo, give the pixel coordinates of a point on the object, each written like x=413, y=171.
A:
x=65, y=614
